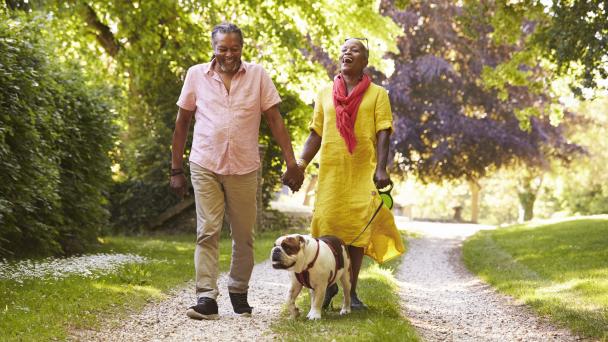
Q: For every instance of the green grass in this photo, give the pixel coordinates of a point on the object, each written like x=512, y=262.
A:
x=47, y=309
x=560, y=269
x=383, y=321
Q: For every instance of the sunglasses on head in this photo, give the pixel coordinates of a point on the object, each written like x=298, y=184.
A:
x=359, y=39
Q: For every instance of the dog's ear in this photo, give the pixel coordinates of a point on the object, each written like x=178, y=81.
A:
x=301, y=239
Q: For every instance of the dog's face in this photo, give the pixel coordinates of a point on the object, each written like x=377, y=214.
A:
x=286, y=251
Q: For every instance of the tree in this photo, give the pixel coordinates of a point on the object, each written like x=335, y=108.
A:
x=450, y=124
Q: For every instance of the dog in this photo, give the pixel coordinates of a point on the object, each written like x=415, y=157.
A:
x=316, y=264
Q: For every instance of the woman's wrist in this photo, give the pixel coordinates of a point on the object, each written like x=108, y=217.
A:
x=302, y=163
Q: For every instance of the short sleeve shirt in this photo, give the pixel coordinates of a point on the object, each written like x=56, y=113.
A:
x=227, y=124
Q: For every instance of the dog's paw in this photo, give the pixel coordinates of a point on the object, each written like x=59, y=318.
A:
x=313, y=315
x=294, y=313
x=344, y=311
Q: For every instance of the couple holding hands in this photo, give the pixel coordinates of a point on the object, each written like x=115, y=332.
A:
x=350, y=126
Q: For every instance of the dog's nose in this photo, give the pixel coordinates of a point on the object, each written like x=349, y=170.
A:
x=276, y=254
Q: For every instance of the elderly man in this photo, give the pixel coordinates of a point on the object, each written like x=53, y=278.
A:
x=226, y=97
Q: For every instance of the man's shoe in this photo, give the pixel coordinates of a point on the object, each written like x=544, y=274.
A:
x=239, y=304
x=356, y=303
x=329, y=294
x=205, y=308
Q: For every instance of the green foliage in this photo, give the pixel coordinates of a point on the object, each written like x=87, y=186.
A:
x=560, y=269
x=582, y=188
x=55, y=134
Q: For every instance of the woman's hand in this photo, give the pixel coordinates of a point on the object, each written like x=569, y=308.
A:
x=381, y=178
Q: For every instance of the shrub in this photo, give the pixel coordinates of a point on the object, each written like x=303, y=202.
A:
x=55, y=135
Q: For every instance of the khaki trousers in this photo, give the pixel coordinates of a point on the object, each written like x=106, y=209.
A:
x=215, y=195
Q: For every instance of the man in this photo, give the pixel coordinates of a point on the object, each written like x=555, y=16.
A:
x=226, y=96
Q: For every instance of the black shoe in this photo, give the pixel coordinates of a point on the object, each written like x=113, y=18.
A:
x=239, y=304
x=356, y=303
x=205, y=308
x=331, y=291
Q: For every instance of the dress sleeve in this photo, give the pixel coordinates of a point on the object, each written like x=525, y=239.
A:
x=187, y=98
x=383, y=114
x=317, y=117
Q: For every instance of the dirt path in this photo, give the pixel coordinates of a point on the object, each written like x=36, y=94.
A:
x=445, y=302
x=167, y=321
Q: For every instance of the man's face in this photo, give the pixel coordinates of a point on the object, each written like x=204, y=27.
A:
x=227, y=48
x=352, y=56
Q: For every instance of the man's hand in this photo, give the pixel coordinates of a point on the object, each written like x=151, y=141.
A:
x=178, y=185
x=293, y=177
x=381, y=178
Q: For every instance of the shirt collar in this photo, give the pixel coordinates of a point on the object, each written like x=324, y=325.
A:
x=209, y=67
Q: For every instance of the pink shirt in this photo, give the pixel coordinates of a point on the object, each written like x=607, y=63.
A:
x=227, y=125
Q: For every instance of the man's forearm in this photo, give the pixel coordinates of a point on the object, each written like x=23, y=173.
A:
x=180, y=134
x=280, y=134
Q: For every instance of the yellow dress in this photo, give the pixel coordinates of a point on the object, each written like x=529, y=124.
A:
x=346, y=196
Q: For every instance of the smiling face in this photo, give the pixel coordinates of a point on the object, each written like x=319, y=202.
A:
x=353, y=57
x=227, y=48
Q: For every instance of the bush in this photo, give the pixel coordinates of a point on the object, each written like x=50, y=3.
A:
x=55, y=135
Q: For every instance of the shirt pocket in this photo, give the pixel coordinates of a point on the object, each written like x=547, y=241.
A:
x=247, y=102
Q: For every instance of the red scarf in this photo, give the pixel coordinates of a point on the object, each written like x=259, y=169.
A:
x=347, y=107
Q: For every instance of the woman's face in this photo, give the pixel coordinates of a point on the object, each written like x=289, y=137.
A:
x=353, y=56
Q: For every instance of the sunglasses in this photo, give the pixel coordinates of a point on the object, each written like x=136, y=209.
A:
x=359, y=39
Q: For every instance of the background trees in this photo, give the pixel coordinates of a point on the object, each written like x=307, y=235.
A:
x=470, y=85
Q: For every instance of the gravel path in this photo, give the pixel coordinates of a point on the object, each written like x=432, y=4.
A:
x=445, y=302
x=167, y=321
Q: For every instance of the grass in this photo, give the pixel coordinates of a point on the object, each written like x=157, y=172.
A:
x=47, y=309
x=560, y=269
x=382, y=322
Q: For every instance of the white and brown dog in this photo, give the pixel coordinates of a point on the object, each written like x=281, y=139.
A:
x=316, y=264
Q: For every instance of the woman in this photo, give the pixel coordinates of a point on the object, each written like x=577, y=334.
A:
x=351, y=125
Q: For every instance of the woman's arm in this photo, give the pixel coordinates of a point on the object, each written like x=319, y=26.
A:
x=311, y=147
x=381, y=177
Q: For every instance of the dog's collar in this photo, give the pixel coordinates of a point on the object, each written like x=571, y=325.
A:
x=303, y=277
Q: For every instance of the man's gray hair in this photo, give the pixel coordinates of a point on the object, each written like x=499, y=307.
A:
x=226, y=28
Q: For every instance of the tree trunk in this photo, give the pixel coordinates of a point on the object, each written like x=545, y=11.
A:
x=527, y=193
x=475, y=189
x=526, y=201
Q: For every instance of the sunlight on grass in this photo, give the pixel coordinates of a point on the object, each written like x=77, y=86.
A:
x=131, y=289
x=560, y=268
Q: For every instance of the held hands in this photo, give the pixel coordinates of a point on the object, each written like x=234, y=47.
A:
x=293, y=177
x=381, y=179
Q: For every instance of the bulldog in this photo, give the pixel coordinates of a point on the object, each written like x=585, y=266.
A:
x=316, y=264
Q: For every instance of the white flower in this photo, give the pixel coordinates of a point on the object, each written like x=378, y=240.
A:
x=92, y=265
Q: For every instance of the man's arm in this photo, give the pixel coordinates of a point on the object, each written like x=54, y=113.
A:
x=180, y=134
x=381, y=177
x=293, y=177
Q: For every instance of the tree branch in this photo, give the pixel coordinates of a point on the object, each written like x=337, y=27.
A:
x=103, y=34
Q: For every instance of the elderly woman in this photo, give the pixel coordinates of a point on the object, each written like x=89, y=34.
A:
x=351, y=124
